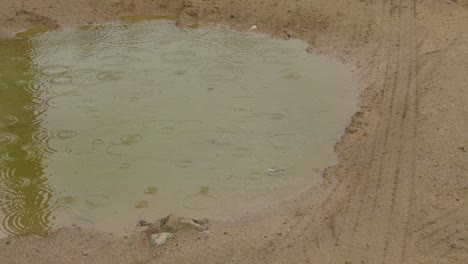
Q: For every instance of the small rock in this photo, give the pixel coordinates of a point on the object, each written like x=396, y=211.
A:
x=143, y=223
x=160, y=239
x=174, y=223
x=254, y=27
x=276, y=172
x=205, y=232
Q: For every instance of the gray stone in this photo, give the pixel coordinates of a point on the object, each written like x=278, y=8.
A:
x=160, y=239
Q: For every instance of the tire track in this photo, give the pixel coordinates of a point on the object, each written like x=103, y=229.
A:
x=358, y=199
x=388, y=175
x=447, y=229
x=405, y=120
x=409, y=120
x=355, y=198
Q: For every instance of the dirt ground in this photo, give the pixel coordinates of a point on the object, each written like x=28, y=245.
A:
x=399, y=191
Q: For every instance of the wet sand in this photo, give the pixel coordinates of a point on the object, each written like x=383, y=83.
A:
x=398, y=193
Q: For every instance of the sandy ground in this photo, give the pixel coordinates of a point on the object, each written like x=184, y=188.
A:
x=399, y=191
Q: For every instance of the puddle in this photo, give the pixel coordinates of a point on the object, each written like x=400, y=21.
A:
x=104, y=125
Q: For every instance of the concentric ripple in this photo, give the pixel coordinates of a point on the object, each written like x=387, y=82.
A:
x=98, y=141
x=96, y=200
x=275, y=55
x=110, y=76
x=84, y=77
x=41, y=139
x=61, y=80
x=26, y=152
x=117, y=149
x=116, y=60
x=38, y=86
x=179, y=56
x=65, y=202
x=200, y=201
x=36, y=107
x=3, y=87
x=26, y=213
x=18, y=182
x=7, y=171
x=55, y=70
x=285, y=141
x=130, y=139
x=229, y=73
x=66, y=134
x=41, y=136
x=9, y=120
x=8, y=138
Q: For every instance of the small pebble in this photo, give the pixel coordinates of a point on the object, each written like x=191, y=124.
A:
x=143, y=223
x=160, y=239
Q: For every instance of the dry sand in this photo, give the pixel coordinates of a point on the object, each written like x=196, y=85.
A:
x=399, y=191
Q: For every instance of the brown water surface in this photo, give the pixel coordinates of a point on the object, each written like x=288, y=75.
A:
x=103, y=125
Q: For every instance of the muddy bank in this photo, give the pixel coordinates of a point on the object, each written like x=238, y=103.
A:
x=398, y=193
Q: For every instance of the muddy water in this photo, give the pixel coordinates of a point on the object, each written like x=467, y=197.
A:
x=102, y=126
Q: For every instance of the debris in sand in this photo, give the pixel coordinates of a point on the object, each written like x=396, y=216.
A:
x=254, y=27
x=142, y=222
x=160, y=239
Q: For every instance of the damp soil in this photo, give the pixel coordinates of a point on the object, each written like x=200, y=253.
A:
x=398, y=191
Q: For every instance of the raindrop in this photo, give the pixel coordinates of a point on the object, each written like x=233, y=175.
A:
x=200, y=201
x=142, y=204
x=151, y=190
x=61, y=80
x=66, y=134
x=229, y=73
x=96, y=200
x=56, y=70
x=131, y=138
x=241, y=152
x=8, y=138
x=116, y=60
x=185, y=164
x=110, y=76
x=179, y=56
